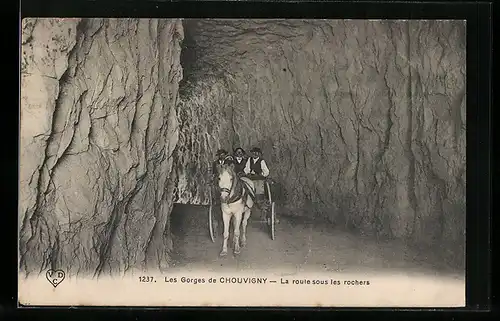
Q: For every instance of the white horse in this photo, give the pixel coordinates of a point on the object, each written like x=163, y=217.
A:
x=237, y=195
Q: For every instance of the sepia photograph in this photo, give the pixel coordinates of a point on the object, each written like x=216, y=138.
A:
x=242, y=162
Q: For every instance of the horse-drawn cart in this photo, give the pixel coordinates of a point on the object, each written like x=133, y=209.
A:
x=263, y=199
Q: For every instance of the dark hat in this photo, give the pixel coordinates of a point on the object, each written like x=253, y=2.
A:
x=221, y=152
x=239, y=149
x=256, y=150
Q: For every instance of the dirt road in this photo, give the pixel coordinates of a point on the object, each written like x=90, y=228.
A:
x=299, y=246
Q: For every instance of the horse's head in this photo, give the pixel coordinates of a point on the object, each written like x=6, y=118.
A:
x=226, y=180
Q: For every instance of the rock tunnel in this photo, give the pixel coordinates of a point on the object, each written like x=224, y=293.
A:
x=361, y=122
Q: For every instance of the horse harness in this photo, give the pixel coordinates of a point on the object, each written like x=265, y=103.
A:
x=240, y=191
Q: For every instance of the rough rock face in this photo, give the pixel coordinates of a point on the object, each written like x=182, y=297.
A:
x=362, y=122
x=98, y=130
x=205, y=116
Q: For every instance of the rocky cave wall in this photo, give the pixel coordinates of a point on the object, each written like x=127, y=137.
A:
x=361, y=122
x=205, y=125
x=98, y=130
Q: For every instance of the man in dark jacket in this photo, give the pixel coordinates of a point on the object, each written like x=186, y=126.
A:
x=239, y=160
x=223, y=157
x=256, y=167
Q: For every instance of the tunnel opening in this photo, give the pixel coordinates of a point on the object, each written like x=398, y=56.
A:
x=334, y=128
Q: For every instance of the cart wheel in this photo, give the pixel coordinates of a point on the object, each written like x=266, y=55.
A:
x=271, y=211
x=273, y=221
x=211, y=221
x=211, y=225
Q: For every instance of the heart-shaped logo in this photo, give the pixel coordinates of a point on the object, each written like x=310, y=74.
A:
x=55, y=277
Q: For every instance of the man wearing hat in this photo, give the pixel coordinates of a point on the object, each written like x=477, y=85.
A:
x=223, y=157
x=239, y=161
x=256, y=169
